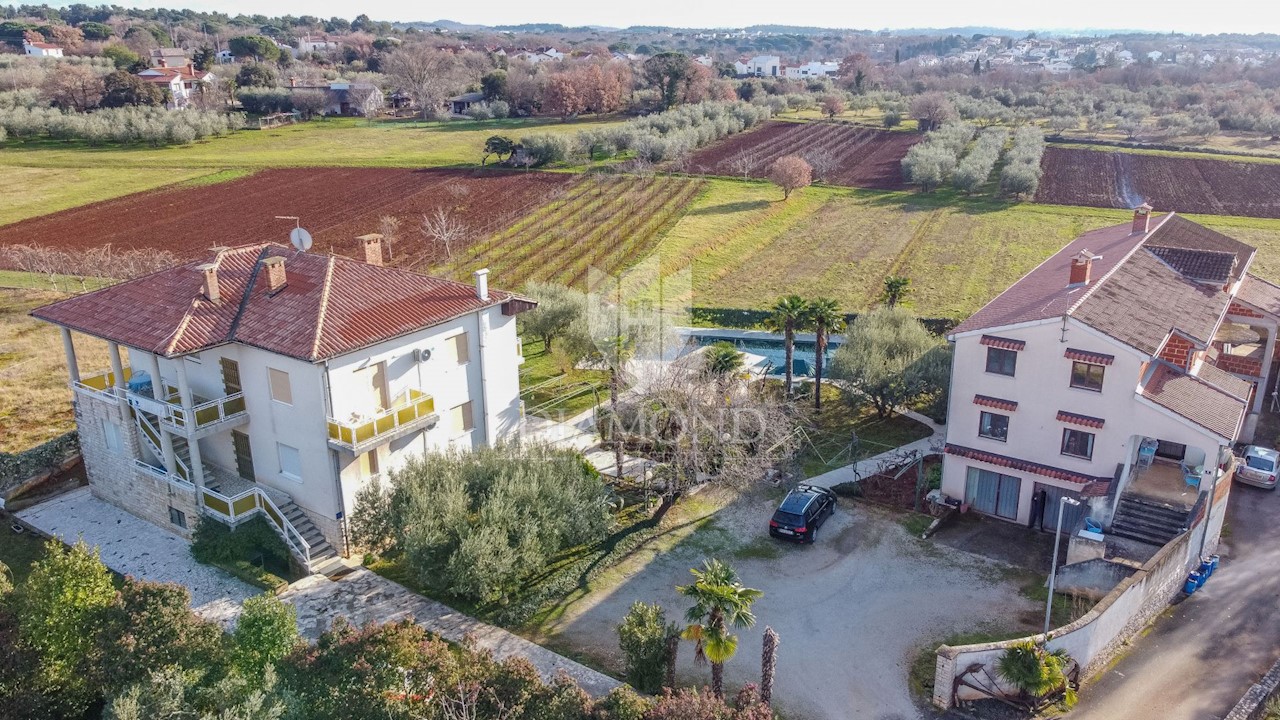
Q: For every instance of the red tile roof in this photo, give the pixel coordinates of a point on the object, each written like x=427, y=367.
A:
x=1023, y=465
x=993, y=402
x=1195, y=399
x=1078, y=419
x=1003, y=343
x=330, y=306
x=1133, y=295
x=1094, y=358
x=1261, y=294
x=44, y=45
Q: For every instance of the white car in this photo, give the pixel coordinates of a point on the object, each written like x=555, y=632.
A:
x=1259, y=467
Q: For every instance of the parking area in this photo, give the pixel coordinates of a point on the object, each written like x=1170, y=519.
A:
x=852, y=611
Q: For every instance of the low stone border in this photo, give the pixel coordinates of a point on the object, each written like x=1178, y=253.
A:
x=1254, y=702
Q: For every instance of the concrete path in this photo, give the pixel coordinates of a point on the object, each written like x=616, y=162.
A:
x=364, y=596
x=132, y=546
x=869, y=466
x=1205, y=652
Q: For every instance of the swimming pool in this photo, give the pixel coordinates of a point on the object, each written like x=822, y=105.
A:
x=775, y=352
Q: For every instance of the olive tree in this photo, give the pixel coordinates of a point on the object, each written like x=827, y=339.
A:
x=883, y=360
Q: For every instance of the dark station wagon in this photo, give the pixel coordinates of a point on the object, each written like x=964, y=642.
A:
x=802, y=512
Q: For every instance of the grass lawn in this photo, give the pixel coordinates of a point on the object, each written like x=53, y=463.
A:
x=18, y=280
x=335, y=141
x=18, y=552
x=832, y=430
x=547, y=390
x=40, y=188
x=35, y=403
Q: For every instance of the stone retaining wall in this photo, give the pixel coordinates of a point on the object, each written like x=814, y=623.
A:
x=1253, y=706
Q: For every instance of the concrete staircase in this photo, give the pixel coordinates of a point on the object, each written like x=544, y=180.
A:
x=182, y=451
x=1149, y=521
x=324, y=558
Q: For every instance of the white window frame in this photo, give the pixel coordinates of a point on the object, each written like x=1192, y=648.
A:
x=282, y=451
x=111, y=436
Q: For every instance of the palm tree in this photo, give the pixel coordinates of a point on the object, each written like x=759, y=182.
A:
x=824, y=317
x=788, y=315
x=719, y=601
x=1037, y=673
x=768, y=664
x=722, y=359
x=896, y=288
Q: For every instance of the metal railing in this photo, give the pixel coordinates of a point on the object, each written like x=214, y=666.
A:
x=410, y=407
x=238, y=508
x=203, y=415
x=151, y=436
x=162, y=474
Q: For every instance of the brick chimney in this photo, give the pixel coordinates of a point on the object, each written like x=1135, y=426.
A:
x=1141, y=219
x=482, y=283
x=276, y=279
x=1081, y=268
x=372, y=244
x=210, y=273
x=161, y=62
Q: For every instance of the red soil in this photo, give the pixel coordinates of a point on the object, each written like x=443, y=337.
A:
x=857, y=156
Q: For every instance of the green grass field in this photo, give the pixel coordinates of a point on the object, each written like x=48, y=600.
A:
x=40, y=188
x=746, y=246
x=331, y=142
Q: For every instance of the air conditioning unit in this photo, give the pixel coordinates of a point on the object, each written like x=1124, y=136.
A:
x=422, y=354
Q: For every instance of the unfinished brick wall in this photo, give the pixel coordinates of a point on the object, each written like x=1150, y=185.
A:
x=1239, y=310
x=1177, y=350
x=1239, y=365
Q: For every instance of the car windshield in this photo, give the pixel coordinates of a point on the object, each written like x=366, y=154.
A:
x=786, y=518
x=1260, y=463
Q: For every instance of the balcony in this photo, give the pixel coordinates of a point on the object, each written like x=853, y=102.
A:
x=412, y=410
x=206, y=416
x=101, y=385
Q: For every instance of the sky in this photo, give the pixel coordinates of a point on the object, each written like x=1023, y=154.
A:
x=1218, y=16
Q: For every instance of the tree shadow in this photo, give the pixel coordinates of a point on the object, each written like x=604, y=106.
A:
x=731, y=208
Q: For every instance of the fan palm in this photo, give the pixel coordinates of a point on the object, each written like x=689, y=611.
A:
x=824, y=317
x=722, y=359
x=787, y=316
x=719, y=602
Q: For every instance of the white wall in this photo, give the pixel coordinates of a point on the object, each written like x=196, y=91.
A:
x=1042, y=386
x=449, y=384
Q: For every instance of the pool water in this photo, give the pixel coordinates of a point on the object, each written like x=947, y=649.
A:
x=775, y=353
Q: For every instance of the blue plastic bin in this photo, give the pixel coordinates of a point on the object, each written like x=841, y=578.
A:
x=1194, y=580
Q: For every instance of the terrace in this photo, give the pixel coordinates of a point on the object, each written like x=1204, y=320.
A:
x=204, y=417
x=410, y=411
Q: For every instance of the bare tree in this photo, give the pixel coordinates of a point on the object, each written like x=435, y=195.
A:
x=743, y=163
x=428, y=74
x=367, y=98
x=823, y=160
x=458, y=191
x=389, y=228
x=444, y=229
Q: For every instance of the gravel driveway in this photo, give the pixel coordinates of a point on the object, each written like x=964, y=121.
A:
x=851, y=610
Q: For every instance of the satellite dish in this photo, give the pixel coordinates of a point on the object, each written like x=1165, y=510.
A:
x=300, y=238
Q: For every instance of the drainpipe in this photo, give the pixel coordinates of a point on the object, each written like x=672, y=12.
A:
x=482, y=325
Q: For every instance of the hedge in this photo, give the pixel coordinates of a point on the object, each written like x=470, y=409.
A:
x=756, y=319
x=17, y=467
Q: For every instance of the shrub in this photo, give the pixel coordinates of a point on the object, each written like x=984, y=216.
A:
x=500, y=109
x=643, y=636
x=266, y=631
x=477, y=523
x=1021, y=174
x=480, y=111
x=544, y=148
x=974, y=170
x=892, y=119
x=253, y=542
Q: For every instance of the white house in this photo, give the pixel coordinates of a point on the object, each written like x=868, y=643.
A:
x=764, y=66
x=813, y=68
x=274, y=382
x=167, y=57
x=1111, y=372
x=225, y=57
x=309, y=44
x=41, y=49
x=182, y=82
x=705, y=60
x=1058, y=67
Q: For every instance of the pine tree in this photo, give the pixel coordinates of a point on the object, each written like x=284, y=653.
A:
x=897, y=55
x=977, y=66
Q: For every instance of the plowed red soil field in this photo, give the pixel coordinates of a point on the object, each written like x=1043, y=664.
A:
x=335, y=204
x=1074, y=176
x=840, y=154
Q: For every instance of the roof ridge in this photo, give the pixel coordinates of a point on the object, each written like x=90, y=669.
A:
x=1088, y=293
x=324, y=306
x=248, y=292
